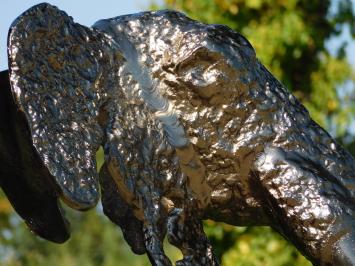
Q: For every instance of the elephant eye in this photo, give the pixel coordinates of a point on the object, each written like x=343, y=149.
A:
x=202, y=68
x=202, y=76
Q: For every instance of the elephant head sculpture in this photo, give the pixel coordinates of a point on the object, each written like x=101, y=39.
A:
x=193, y=126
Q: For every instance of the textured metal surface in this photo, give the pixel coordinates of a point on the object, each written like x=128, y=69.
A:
x=119, y=212
x=58, y=81
x=193, y=127
x=23, y=177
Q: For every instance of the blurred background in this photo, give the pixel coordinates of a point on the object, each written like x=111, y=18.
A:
x=307, y=44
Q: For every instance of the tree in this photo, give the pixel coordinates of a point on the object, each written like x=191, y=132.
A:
x=290, y=39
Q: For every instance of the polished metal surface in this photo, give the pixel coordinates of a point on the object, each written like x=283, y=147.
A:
x=23, y=177
x=193, y=127
x=58, y=80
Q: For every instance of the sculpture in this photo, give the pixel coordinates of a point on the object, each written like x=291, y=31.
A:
x=192, y=124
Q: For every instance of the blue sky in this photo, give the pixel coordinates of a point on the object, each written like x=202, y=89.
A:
x=86, y=12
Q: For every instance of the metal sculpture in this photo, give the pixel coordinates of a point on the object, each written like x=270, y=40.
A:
x=23, y=177
x=193, y=127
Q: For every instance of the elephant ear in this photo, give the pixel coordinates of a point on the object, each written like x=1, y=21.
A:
x=23, y=177
x=58, y=83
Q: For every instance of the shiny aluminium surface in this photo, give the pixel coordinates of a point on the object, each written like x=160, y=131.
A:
x=56, y=73
x=24, y=179
x=193, y=127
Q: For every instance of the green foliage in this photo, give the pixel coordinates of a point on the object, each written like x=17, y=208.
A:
x=247, y=246
x=95, y=241
x=267, y=250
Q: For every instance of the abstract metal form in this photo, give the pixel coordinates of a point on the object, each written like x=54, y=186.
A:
x=193, y=126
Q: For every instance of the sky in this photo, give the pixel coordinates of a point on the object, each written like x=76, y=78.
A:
x=86, y=12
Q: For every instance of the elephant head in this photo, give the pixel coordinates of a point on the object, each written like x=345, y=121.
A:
x=51, y=114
